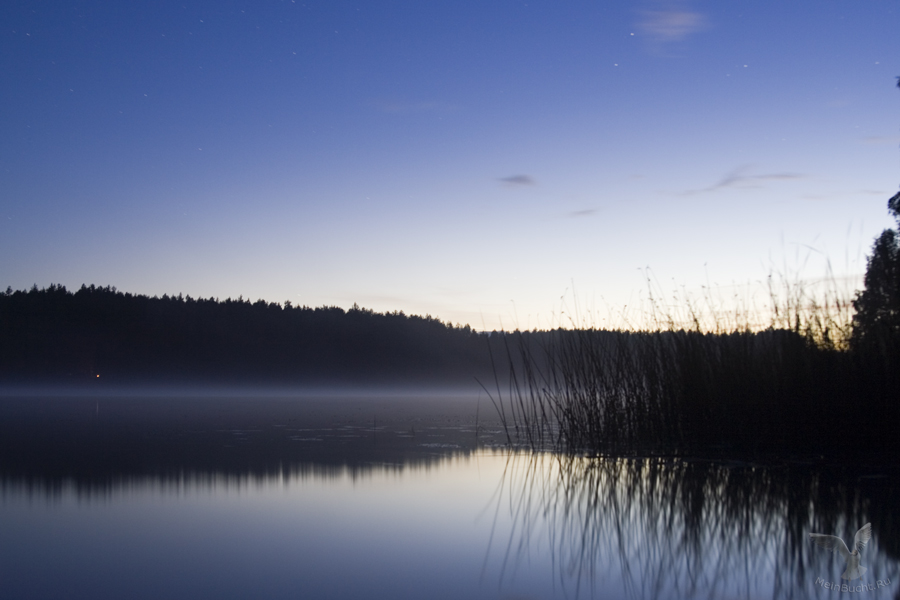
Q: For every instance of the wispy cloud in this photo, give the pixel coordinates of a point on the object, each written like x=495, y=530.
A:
x=586, y=212
x=518, y=180
x=740, y=178
x=671, y=22
x=839, y=195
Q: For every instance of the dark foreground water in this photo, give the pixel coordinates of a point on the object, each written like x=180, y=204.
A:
x=401, y=496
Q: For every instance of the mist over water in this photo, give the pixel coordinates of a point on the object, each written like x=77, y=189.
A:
x=83, y=439
x=393, y=495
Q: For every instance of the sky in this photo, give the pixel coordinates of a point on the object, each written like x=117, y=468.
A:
x=498, y=164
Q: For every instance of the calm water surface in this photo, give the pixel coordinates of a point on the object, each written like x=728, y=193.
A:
x=400, y=496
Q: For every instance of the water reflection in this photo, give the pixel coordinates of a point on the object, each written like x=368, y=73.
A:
x=95, y=444
x=372, y=495
x=676, y=528
x=378, y=532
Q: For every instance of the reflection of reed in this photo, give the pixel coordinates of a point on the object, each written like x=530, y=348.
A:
x=673, y=528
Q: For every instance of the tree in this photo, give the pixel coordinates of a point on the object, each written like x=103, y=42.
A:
x=876, y=325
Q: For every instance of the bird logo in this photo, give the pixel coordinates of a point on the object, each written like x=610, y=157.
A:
x=832, y=543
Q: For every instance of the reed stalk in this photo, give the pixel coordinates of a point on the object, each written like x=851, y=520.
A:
x=698, y=384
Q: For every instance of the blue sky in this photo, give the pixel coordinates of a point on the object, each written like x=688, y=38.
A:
x=474, y=161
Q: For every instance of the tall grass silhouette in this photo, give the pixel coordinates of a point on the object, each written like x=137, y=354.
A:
x=702, y=382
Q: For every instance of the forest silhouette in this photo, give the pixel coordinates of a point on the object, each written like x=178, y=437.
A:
x=678, y=390
x=100, y=335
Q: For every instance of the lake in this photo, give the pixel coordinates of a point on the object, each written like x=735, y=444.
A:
x=400, y=495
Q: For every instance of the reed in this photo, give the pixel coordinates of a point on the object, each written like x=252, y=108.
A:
x=701, y=384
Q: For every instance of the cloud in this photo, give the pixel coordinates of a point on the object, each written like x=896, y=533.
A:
x=672, y=22
x=586, y=212
x=518, y=180
x=839, y=195
x=739, y=179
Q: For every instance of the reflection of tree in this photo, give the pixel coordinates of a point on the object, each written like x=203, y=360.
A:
x=672, y=528
x=97, y=443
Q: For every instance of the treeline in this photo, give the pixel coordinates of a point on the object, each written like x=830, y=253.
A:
x=102, y=335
